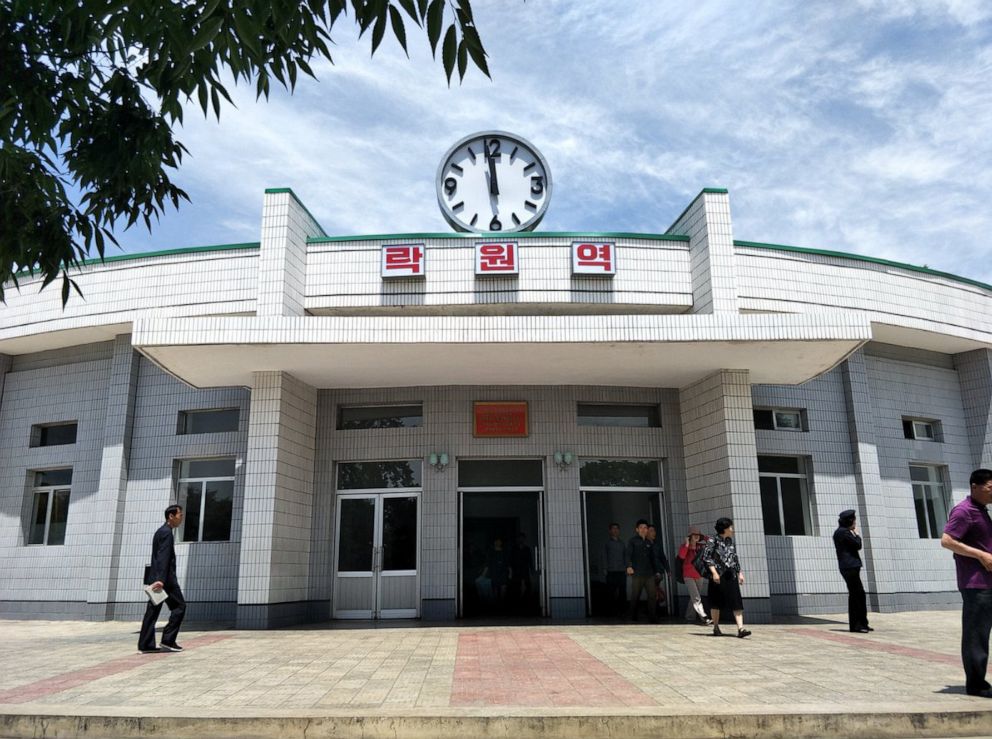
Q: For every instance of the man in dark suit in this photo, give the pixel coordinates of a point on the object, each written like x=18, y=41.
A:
x=162, y=574
x=847, y=541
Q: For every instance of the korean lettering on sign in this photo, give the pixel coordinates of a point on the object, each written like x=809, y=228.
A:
x=496, y=258
x=594, y=258
x=403, y=260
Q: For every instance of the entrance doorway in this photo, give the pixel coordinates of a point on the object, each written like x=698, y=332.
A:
x=377, y=556
x=600, y=509
x=502, y=554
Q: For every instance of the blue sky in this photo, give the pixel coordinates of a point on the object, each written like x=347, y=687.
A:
x=860, y=126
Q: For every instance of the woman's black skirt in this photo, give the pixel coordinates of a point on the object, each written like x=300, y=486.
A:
x=727, y=594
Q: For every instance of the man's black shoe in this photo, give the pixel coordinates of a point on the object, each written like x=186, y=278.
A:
x=155, y=650
x=983, y=693
x=171, y=647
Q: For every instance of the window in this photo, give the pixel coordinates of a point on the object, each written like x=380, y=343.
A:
x=380, y=417
x=784, y=496
x=53, y=434
x=930, y=498
x=779, y=419
x=500, y=473
x=50, y=509
x=622, y=473
x=213, y=421
x=602, y=414
x=206, y=494
x=379, y=475
x=921, y=429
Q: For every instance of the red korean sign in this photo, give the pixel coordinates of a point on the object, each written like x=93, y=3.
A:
x=496, y=258
x=594, y=258
x=499, y=420
x=403, y=260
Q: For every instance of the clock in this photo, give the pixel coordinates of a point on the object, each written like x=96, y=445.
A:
x=493, y=181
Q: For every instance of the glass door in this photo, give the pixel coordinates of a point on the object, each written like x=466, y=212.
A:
x=377, y=553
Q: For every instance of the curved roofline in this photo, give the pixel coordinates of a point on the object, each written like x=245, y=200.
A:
x=863, y=258
x=508, y=235
x=539, y=234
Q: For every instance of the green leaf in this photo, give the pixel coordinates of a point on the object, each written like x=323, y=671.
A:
x=448, y=52
x=475, y=49
x=422, y=7
x=207, y=33
x=410, y=9
x=378, y=32
x=398, y=29
x=462, y=59
x=435, y=19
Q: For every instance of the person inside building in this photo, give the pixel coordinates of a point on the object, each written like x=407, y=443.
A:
x=968, y=534
x=521, y=565
x=641, y=564
x=498, y=571
x=614, y=553
x=726, y=577
x=661, y=567
x=847, y=541
x=694, y=610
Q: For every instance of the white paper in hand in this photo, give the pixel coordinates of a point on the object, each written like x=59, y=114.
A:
x=155, y=596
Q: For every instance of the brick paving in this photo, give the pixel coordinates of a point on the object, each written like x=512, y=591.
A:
x=909, y=662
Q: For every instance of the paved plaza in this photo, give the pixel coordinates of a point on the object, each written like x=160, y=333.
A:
x=812, y=677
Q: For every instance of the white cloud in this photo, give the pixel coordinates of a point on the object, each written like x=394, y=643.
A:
x=859, y=126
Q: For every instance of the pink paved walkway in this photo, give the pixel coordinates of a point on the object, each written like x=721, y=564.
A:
x=533, y=668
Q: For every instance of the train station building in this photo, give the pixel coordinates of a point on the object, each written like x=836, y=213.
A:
x=351, y=423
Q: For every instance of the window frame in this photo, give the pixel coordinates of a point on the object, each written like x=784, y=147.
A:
x=805, y=484
x=800, y=414
x=50, y=491
x=941, y=482
x=339, y=416
x=182, y=420
x=38, y=430
x=910, y=423
x=180, y=481
x=653, y=415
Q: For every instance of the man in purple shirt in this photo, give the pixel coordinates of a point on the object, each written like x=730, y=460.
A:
x=968, y=534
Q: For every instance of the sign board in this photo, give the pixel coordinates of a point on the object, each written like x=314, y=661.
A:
x=499, y=420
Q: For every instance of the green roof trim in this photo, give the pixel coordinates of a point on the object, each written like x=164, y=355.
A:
x=862, y=258
x=277, y=190
x=704, y=191
x=159, y=253
x=509, y=235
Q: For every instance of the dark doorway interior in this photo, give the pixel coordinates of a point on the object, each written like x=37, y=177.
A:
x=501, y=582
x=624, y=508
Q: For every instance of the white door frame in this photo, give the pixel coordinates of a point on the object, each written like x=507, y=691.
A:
x=376, y=573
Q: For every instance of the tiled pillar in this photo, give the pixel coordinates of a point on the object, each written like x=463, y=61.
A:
x=5, y=363
x=105, y=529
x=721, y=470
x=286, y=225
x=975, y=374
x=711, y=251
x=275, y=533
x=880, y=576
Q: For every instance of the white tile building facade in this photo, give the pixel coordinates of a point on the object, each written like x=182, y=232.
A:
x=877, y=378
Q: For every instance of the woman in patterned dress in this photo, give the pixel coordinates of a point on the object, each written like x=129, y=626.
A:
x=726, y=577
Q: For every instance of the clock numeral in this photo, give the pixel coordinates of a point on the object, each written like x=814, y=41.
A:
x=450, y=185
x=495, y=225
x=536, y=185
x=493, y=148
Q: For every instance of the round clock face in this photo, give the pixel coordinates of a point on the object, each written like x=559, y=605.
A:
x=493, y=181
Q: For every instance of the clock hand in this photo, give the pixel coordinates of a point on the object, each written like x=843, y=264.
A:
x=493, y=183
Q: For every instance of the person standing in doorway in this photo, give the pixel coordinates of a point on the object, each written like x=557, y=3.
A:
x=687, y=553
x=661, y=567
x=847, y=541
x=162, y=573
x=726, y=577
x=498, y=571
x=968, y=534
x=616, y=572
x=521, y=565
x=641, y=567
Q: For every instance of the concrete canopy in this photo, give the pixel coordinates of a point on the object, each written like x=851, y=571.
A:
x=635, y=350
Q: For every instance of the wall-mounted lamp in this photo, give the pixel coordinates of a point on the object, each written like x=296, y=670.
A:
x=563, y=459
x=438, y=460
